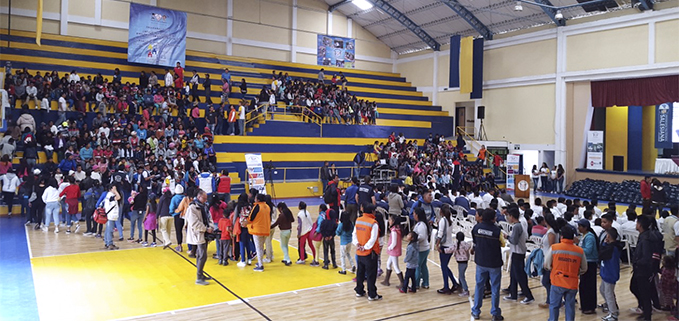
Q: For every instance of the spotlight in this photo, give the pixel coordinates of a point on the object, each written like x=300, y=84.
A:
x=518, y=6
x=558, y=15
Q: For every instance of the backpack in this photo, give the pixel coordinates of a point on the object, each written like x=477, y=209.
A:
x=328, y=196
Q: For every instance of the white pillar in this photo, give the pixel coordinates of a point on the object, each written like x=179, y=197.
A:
x=229, y=28
x=293, y=47
x=63, y=22
x=435, y=78
x=97, y=12
x=560, y=100
x=329, y=31
x=651, y=42
x=350, y=28
x=154, y=3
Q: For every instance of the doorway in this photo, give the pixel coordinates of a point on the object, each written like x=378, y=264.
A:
x=460, y=117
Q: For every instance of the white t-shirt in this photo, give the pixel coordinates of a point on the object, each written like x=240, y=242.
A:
x=629, y=227
x=169, y=80
x=62, y=104
x=111, y=206
x=304, y=218
x=74, y=77
x=45, y=104
x=241, y=112
x=676, y=229
x=537, y=210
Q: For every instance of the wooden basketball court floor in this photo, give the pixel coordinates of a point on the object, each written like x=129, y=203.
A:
x=77, y=279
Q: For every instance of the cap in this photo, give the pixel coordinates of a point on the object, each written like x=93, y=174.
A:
x=178, y=189
x=584, y=222
x=71, y=172
x=134, y=134
x=36, y=171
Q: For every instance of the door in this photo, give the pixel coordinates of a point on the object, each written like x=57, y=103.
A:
x=460, y=119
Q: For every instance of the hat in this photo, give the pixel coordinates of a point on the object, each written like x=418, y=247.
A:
x=584, y=223
x=64, y=124
x=71, y=172
x=36, y=171
x=178, y=189
x=134, y=134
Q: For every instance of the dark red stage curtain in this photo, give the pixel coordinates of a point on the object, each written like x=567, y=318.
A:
x=635, y=92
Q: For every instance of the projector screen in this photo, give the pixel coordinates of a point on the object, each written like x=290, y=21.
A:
x=675, y=123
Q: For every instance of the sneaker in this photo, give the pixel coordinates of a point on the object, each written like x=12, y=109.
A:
x=28, y=223
x=98, y=236
x=342, y=272
x=610, y=317
x=325, y=267
x=266, y=261
x=241, y=264
x=497, y=318
x=44, y=229
x=202, y=282
x=288, y=263
x=360, y=295
x=353, y=269
x=120, y=239
x=476, y=316
x=249, y=262
x=258, y=268
x=37, y=227
x=145, y=244
x=68, y=231
x=377, y=298
x=314, y=263
x=636, y=311
x=544, y=305
x=299, y=262
x=401, y=290
x=508, y=298
x=56, y=229
x=464, y=293
x=60, y=224
x=379, y=272
x=77, y=227
x=153, y=244
x=505, y=291
x=113, y=247
x=527, y=301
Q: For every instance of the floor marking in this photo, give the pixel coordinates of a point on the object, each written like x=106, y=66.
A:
x=28, y=243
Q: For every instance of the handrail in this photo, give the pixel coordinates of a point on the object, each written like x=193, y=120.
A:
x=460, y=129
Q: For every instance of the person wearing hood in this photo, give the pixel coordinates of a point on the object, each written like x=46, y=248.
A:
x=178, y=218
x=10, y=183
x=645, y=265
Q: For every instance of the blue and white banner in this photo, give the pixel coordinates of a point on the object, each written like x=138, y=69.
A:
x=663, y=126
x=157, y=36
x=255, y=172
x=336, y=51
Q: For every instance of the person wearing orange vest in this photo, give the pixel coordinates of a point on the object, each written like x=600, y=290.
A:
x=259, y=223
x=567, y=262
x=231, y=118
x=364, y=238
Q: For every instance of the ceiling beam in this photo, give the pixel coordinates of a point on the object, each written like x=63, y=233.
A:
x=469, y=17
x=337, y=5
x=411, y=12
x=551, y=12
x=406, y=22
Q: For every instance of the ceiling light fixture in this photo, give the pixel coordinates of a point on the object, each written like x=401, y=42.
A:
x=558, y=15
x=362, y=4
x=518, y=6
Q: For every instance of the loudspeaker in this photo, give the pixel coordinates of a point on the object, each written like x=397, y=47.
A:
x=481, y=112
x=619, y=163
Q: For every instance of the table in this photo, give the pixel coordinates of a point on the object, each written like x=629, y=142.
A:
x=665, y=165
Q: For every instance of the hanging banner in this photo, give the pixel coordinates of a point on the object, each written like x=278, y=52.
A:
x=157, y=36
x=513, y=168
x=336, y=51
x=595, y=149
x=663, y=126
x=255, y=172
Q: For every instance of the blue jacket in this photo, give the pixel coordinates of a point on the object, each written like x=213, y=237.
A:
x=412, y=256
x=67, y=165
x=350, y=194
x=610, y=269
x=86, y=153
x=588, y=245
x=174, y=203
x=345, y=237
x=534, y=263
x=319, y=221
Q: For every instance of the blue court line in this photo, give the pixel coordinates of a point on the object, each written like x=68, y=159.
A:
x=17, y=292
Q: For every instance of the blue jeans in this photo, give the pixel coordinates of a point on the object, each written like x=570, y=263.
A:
x=557, y=293
x=70, y=218
x=461, y=269
x=231, y=128
x=108, y=236
x=51, y=212
x=136, y=217
x=482, y=275
x=422, y=272
x=447, y=273
x=547, y=283
x=245, y=245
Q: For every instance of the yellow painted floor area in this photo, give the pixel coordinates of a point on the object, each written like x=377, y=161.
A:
x=126, y=283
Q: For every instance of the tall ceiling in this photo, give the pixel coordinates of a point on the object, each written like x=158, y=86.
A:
x=440, y=21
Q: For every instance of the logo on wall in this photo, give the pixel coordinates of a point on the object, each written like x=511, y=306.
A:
x=663, y=126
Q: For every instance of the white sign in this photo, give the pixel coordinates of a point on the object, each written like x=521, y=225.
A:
x=595, y=149
x=513, y=163
x=255, y=172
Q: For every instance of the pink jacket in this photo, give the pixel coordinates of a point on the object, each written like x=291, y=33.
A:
x=394, y=248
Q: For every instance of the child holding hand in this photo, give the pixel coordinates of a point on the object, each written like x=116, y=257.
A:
x=226, y=226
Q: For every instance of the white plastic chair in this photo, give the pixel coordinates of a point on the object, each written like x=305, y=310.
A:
x=630, y=239
x=505, y=226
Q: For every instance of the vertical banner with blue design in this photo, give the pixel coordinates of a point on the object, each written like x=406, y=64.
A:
x=255, y=172
x=663, y=126
x=336, y=51
x=157, y=36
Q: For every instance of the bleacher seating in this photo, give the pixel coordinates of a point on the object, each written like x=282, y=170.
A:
x=401, y=107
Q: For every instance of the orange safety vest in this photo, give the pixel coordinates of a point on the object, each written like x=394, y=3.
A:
x=566, y=260
x=364, y=227
x=262, y=224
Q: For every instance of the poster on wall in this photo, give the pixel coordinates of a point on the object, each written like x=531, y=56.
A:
x=336, y=51
x=513, y=168
x=595, y=149
x=255, y=172
x=157, y=36
x=663, y=125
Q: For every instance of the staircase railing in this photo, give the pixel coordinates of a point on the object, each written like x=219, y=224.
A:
x=460, y=130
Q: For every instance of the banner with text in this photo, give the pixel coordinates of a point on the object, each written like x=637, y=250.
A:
x=663, y=126
x=595, y=149
x=255, y=172
x=513, y=168
x=336, y=51
x=157, y=36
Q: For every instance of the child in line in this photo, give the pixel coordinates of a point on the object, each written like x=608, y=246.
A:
x=344, y=231
x=461, y=252
x=316, y=236
x=411, y=260
x=328, y=228
x=150, y=221
x=609, y=254
x=668, y=284
x=226, y=226
x=304, y=227
x=394, y=250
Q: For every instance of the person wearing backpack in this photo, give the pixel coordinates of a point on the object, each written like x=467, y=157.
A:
x=332, y=194
x=645, y=265
x=91, y=197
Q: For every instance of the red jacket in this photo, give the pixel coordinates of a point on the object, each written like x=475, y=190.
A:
x=224, y=185
x=645, y=190
x=71, y=191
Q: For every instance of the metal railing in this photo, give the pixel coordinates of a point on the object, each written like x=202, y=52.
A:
x=471, y=139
